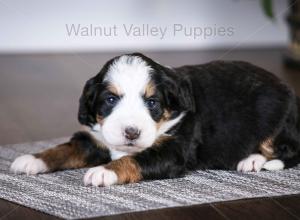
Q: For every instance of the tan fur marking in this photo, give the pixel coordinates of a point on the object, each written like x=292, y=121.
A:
x=100, y=119
x=113, y=89
x=127, y=170
x=161, y=139
x=150, y=89
x=165, y=117
x=55, y=158
x=66, y=156
x=266, y=148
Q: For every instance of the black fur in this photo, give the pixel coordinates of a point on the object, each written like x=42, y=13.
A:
x=86, y=144
x=231, y=108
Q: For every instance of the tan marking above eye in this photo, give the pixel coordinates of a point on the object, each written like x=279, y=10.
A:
x=267, y=148
x=113, y=89
x=150, y=89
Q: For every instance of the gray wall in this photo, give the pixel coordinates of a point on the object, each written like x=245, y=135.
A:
x=40, y=26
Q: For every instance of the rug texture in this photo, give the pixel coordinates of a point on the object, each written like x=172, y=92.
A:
x=63, y=194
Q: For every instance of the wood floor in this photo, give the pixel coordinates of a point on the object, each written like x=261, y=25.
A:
x=39, y=99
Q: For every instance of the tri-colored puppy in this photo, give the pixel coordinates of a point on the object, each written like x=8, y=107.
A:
x=146, y=121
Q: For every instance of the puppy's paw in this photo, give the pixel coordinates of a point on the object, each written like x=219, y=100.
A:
x=254, y=162
x=28, y=164
x=100, y=176
x=274, y=165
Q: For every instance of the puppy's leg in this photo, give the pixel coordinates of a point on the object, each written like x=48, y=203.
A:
x=81, y=151
x=163, y=160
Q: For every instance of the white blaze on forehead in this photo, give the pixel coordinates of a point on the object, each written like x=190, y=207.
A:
x=129, y=74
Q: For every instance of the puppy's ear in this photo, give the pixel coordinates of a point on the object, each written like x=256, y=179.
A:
x=87, y=102
x=178, y=94
x=86, y=113
x=186, y=96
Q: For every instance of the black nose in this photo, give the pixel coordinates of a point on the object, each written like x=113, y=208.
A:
x=132, y=133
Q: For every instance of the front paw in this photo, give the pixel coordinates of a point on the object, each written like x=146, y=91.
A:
x=28, y=164
x=100, y=176
x=254, y=162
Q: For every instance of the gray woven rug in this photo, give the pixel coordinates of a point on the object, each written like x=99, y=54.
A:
x=63, y=194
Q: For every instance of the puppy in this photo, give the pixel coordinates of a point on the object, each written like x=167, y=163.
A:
x=146, y=121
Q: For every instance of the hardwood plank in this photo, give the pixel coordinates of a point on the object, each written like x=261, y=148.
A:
x=12, y=211
x=6, y=207
x=263, y=208
x=177, y=213
x=290, y=203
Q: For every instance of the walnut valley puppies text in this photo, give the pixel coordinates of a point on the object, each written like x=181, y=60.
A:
x=147, y=30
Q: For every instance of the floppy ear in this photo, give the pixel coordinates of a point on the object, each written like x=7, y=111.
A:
x=186, y=96
x=178, y=94
x=87, y=102
x=86, y=113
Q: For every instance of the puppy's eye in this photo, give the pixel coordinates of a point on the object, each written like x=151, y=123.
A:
x=151, y=103
x=112, y=100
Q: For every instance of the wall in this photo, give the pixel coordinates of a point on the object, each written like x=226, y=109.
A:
x=40, y=26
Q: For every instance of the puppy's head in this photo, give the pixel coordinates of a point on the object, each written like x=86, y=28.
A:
x=133, y=101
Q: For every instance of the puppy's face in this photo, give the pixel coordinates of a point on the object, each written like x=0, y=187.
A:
x=128, y=102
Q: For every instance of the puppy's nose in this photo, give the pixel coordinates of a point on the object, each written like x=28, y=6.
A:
x=132, y=133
